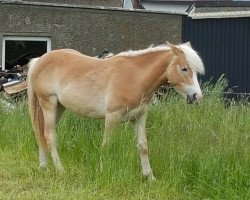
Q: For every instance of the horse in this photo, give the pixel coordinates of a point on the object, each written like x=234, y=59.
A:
x=116, y=89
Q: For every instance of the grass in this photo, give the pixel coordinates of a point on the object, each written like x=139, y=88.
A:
x=196, y=151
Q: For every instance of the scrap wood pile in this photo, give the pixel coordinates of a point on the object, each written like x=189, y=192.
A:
x=13, y=84
x=13, y=80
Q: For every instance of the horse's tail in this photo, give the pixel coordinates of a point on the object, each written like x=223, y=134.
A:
x=35, y=109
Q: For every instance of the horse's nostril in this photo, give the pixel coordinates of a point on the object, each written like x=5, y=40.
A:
x=195, y=95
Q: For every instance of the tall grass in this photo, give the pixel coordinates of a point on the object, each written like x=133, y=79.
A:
x=196, y=151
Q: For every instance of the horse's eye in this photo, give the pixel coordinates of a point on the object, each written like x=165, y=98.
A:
x=184, y=69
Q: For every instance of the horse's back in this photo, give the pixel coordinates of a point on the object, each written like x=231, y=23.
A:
x=61, y=63
x=74, y=79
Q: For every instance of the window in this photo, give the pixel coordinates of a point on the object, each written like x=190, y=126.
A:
x=18, y=50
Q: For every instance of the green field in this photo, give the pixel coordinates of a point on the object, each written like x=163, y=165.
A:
x=196, y=151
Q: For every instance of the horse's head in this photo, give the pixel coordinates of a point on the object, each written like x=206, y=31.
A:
x=182, y=71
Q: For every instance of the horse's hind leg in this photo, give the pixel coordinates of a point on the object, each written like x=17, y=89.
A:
x=42, y=157
x=43, y=147
x=50, y=107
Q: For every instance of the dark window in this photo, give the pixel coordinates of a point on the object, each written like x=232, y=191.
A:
x=19, y=50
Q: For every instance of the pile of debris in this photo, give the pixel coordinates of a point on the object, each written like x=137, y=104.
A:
x=13, y=85
x=13, y=80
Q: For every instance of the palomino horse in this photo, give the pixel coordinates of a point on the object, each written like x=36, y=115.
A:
x=116, y=89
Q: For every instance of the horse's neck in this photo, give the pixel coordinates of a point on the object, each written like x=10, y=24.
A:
x=154, y=66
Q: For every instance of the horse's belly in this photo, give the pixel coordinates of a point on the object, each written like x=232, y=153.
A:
x=89, y=107
x=88, y=112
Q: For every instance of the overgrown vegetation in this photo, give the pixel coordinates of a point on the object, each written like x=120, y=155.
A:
x=196, y=151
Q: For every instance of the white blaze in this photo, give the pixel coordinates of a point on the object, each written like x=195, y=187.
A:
x=194, y=88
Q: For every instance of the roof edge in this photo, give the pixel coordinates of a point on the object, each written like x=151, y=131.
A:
x=217, y=15
x=121, y=9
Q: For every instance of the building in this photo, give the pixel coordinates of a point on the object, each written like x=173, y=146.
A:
x=35, y=27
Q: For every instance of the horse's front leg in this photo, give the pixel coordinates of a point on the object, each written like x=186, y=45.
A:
x=111, y=123
x=139, y=127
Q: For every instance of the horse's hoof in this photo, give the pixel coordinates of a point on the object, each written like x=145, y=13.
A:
x=60, y=169
x=43, y=166
x=149, y=176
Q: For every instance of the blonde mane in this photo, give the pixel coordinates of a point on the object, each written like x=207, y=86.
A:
x=131, y=53
x=192, y=58
x=191, y=55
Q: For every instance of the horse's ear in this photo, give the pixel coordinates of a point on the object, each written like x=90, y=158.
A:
x=188, y=44
x=174, y=48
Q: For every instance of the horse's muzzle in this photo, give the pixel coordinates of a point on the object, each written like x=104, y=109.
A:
x=191, y=99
